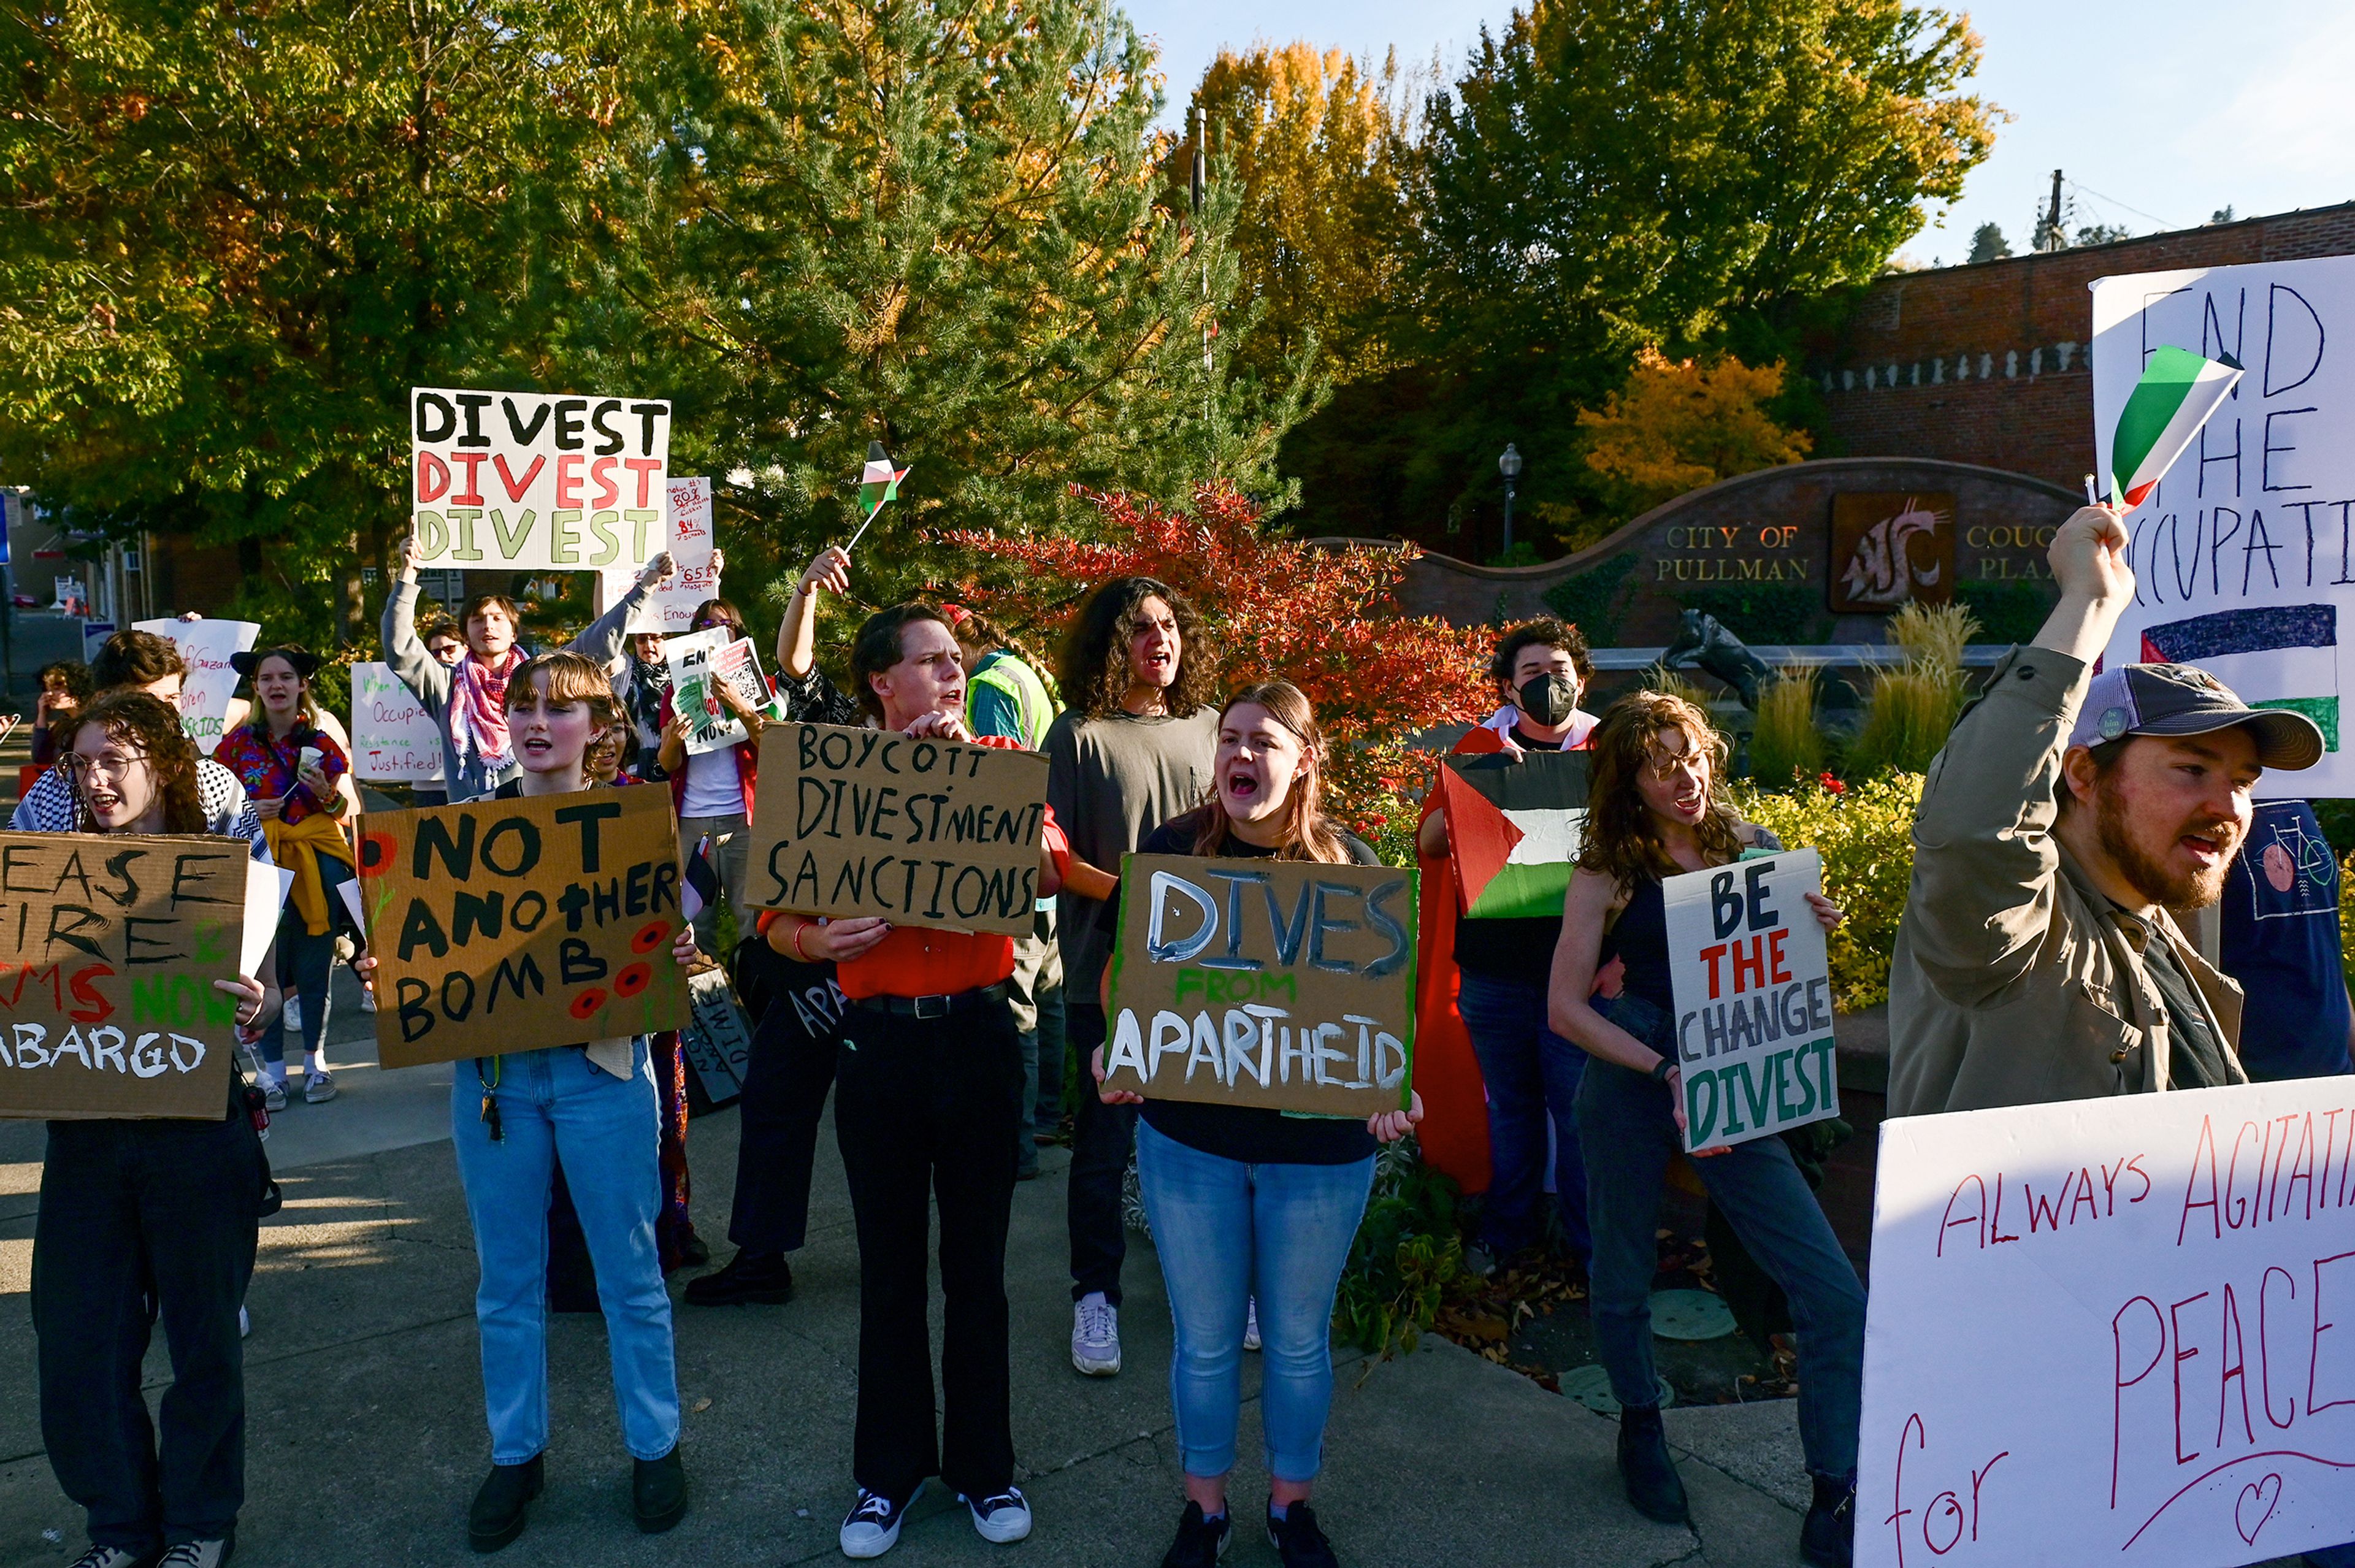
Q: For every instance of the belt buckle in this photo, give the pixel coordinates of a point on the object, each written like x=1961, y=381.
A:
x=930, y=1007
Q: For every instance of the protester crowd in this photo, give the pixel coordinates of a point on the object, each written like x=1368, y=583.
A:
x=2072, y=824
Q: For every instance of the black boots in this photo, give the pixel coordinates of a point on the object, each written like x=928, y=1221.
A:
x=1644, y=1466
x=1828, y=1538
x=749, y=1277
x=498, y=1516
x=659, y=1493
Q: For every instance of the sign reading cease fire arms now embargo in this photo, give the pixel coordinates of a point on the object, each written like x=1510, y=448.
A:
x=937, y=834
x=523, y=481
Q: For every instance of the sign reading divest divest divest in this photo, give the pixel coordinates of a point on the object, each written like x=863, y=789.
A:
x=1280, y=983
x=925, y=833
x=525, y=481
x=507, y=926
x=2116, y=1330
x=109, y=949
x=1754, y=996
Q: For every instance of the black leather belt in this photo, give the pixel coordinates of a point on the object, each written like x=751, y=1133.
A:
x=933, y=1007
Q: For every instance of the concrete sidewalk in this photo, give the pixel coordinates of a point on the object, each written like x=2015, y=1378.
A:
x=366, y=1435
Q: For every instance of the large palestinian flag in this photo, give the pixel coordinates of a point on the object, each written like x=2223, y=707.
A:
x=1514, y=828
x=2289, y=651
x=2178, y=391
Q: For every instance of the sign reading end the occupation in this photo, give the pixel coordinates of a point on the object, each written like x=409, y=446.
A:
x=938, y=834
x=1287, y=984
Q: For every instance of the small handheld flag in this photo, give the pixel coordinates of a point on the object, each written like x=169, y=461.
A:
x=2178, y=392
x=879, y=482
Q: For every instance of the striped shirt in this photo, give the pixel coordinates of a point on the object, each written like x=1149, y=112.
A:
x=50, y=806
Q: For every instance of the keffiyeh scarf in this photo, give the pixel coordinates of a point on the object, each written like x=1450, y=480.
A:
x=478, y=712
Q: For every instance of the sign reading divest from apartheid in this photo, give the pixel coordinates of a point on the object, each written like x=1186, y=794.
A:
x=205, y=646
x=1515, y=825
x=2243, y=555
x=109, y=949
x=529, y=482
x=507, y=926
x=1280, y=983
x=937, y=834
x=1754, y=996
x=2115, y=1330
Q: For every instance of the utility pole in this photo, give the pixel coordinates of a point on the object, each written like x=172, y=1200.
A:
x=2053, y=240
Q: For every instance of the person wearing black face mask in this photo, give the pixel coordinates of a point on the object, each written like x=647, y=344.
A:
x=1529, y=1073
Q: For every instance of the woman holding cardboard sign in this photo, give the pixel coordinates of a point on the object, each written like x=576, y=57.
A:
x=142, y=1218
x=1247, y=1202
x=1653, y=811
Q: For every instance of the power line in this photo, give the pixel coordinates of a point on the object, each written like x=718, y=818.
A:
x=2088, y=190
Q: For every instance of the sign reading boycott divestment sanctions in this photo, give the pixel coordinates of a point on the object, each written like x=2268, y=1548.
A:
x=1753, y=996
x=926, y=833
x=507, y=926
x=2115, y=1330
x=109, y=949
x=1279, y=983
x=524, y=481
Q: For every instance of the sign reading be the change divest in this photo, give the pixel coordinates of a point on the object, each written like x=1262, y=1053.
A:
x=1278, y=983
x=505, y=925
x=109, y=949
x=1754, y=992
x=938, y=834
x=526, y=481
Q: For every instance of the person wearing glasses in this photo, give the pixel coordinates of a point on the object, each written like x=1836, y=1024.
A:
x=1653, y=811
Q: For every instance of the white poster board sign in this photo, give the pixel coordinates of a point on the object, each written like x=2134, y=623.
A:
x=205, y=692
x=2116, y=1331
x=394, y=739
x=698, y=661
x=2242, y=556
x=1754, y=996
x=526, y=481
x=669, y=608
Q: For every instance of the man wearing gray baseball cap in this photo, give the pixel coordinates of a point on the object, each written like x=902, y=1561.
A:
x=2070, y=813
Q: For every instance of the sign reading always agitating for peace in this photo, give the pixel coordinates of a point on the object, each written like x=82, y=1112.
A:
x=699, y=663
x=1754, y=992
x=926, y=833
x=669, y=606
x=2115, y=1330
x=2244, y=554
x=1280, y=983
x=109, y=949
x=205, y=646
x=516, y=924
x=394, y=739
x=531, y=482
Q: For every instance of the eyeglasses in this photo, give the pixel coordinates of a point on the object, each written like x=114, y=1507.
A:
x=114, y=764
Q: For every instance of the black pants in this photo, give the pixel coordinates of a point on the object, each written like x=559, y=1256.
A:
x=925, y=1110
x=785, y=1085
x=1102, y=1138
x=141, y=1219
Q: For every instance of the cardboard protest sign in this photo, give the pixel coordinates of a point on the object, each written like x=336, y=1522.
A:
x=109, y=949
x=937, y=834
x=717, y=1038
x=669, y=606
x=2242, y=554
x=1515, y=827
x=531, y=482
x=205, y=646
x=1753, y=996
x=507, y=926
x=699, y=662
x=394, y=739
x=2114, y=1330
x=1280, y=983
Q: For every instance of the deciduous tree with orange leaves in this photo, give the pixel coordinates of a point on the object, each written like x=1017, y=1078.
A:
x=1679, y=424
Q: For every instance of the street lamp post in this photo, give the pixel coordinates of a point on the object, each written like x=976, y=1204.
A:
x=1510, y=465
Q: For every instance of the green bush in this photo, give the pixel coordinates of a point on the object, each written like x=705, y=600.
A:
x=1406, y=1259
x=2006, y=612
x=1911, y=708
x=1786, y=746
x=1587, y=599
x=1865, y=834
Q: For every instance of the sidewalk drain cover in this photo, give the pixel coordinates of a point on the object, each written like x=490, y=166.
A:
x=1690, y=1315
x=1591, y=1386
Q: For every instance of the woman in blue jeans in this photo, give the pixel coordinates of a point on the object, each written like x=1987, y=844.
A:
x=1652, y=812
x=1247, y=1202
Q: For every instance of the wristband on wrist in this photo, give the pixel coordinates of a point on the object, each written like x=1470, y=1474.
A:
x=799, y=932
x=1662, y=1068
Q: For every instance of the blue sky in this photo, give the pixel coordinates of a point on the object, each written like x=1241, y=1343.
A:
x=2159, y=111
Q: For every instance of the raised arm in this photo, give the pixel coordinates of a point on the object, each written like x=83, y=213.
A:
x=797, y=633
x=427, y=678
x=602, y=643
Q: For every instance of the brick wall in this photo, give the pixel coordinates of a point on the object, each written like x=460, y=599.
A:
x=1987, y=364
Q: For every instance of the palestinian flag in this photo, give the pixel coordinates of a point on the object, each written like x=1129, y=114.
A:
x=2290, y=652
x=1514, y=828
x=879, y=482
x=2178, y=391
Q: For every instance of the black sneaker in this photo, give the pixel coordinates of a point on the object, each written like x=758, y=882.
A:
x=1646, y=1469
x=498, y=1514
x=1297, y=1540
x=872, y=1526
x=117, y=1557
x=1200, y=1543
x=658, y=1492
x=1827, y=1535
x=767, y=1281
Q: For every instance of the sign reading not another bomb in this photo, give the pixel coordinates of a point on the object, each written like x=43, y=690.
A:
x=505, y=925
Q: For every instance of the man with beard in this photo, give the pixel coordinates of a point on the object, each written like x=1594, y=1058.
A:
x=2067, y=815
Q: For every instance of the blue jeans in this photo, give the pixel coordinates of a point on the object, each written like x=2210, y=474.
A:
x=1627, y=1121
x=1227, y=1232
x=558, y=1104
x=1531, y=1074
x=307, y=963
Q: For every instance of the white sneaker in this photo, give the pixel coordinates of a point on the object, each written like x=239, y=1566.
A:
x=196, y=1554
x=1001, y=1518
x=367, y=998
x=1095, y=1336
x=873, y=1525
x=1251, y=1324
x=273, y=1094
x=294, y=1015
x=319, y=1088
